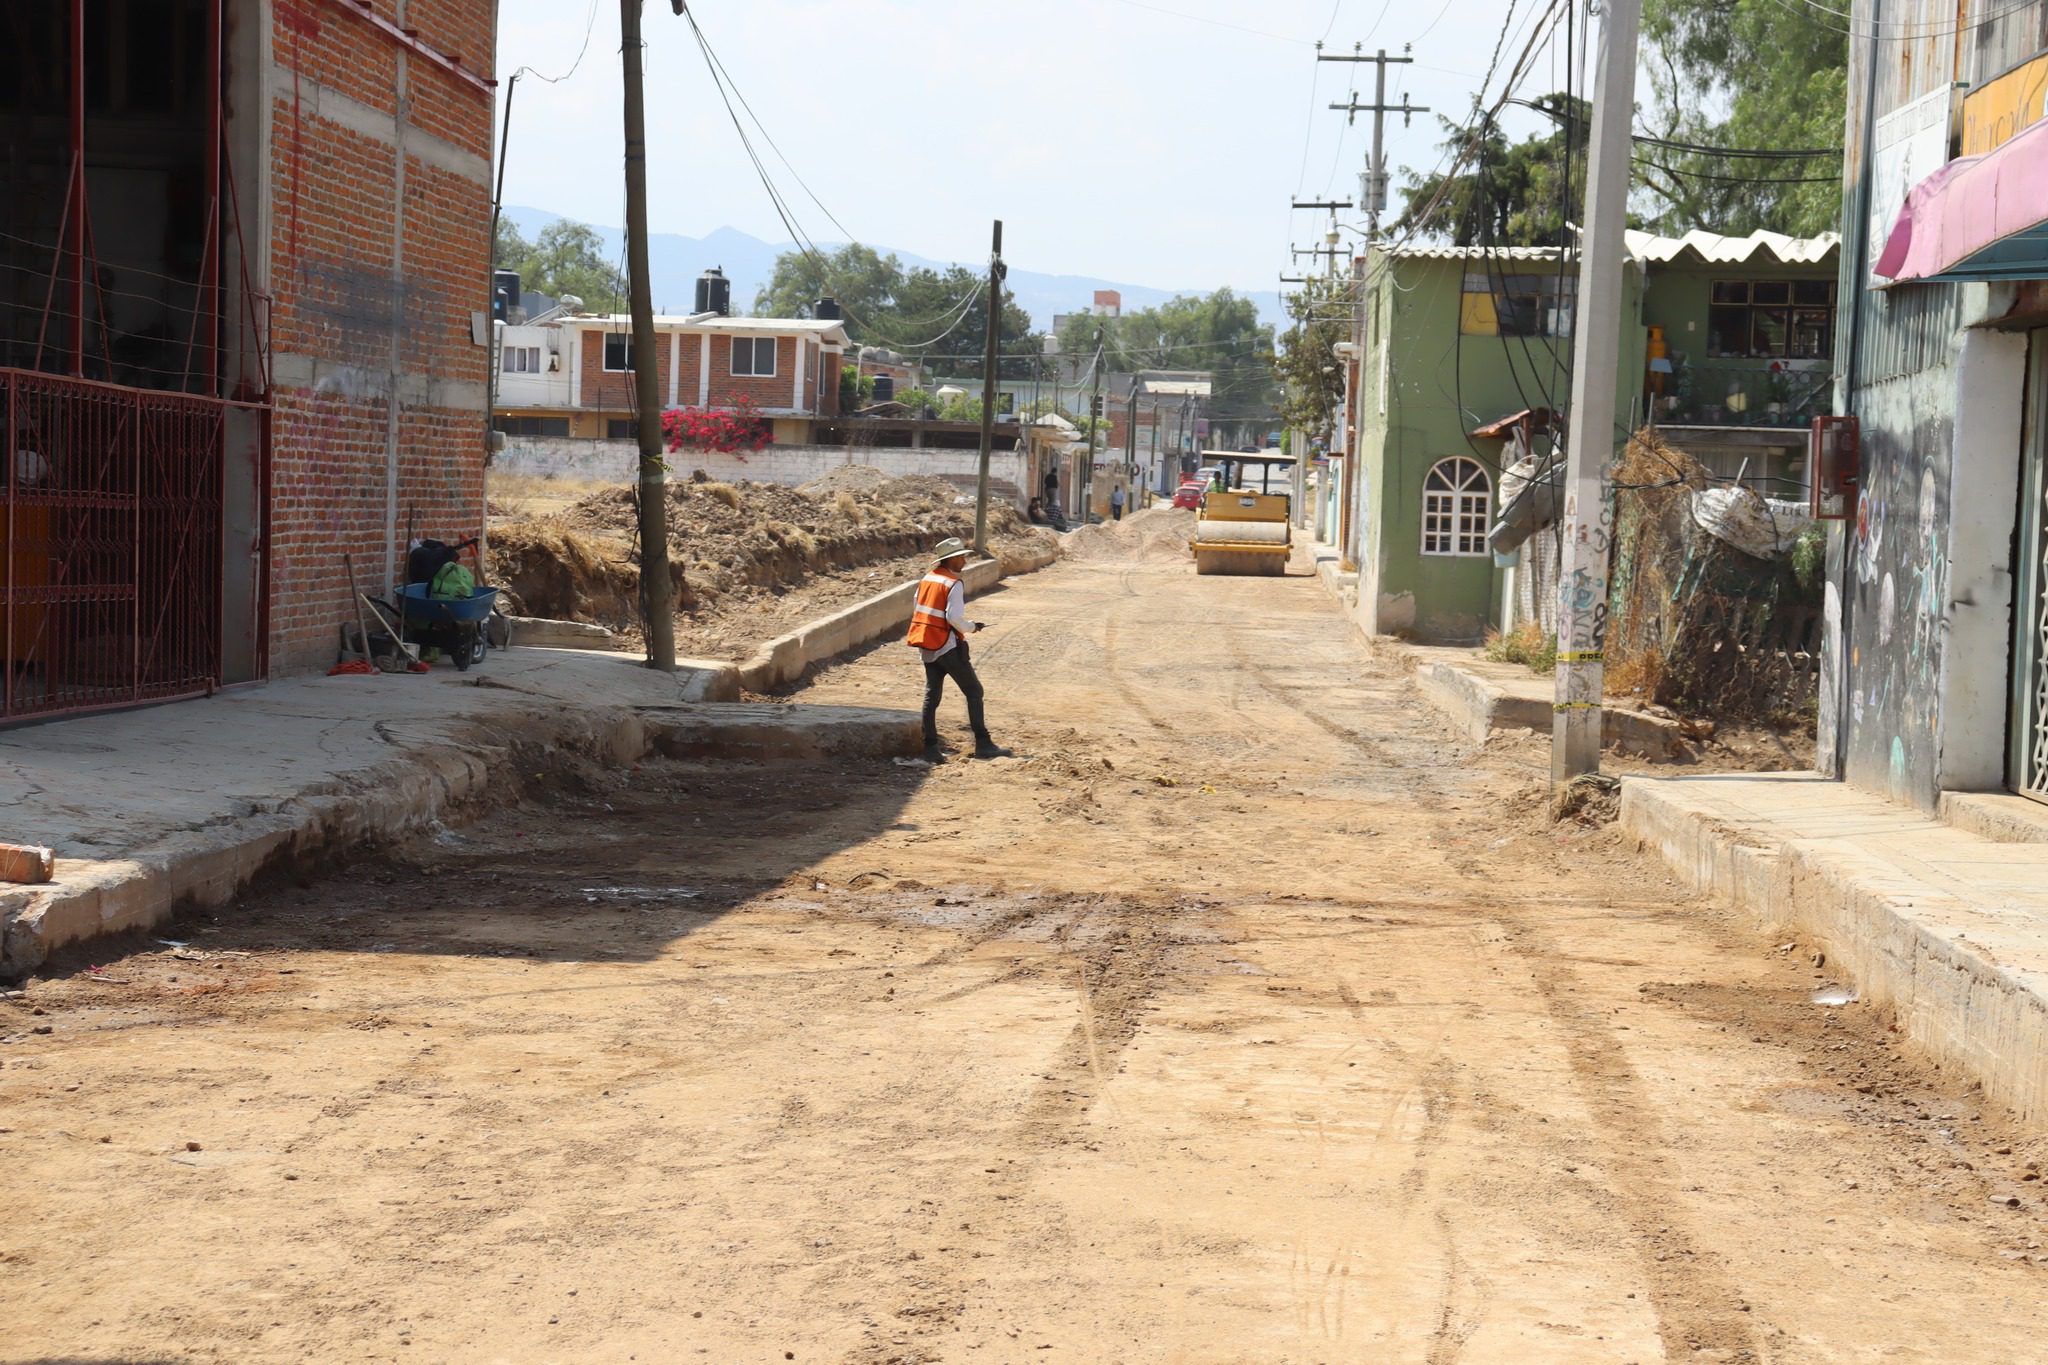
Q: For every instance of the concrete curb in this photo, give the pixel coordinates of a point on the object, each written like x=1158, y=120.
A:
x=1943, y=963
x=787, y=658
x=1480, y=709
x=400, y=797
x=208, y=866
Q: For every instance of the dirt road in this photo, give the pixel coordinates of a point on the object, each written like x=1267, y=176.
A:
x=1246, y=1017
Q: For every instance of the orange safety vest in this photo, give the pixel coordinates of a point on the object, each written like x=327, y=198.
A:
x=929, y=628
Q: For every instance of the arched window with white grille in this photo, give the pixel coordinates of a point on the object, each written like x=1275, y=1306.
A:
x=1457, y=499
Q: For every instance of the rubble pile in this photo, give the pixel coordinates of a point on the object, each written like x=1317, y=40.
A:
x=741, y=553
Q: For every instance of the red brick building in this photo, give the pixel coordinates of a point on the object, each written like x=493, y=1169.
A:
x=243, y=283
x=789, y=368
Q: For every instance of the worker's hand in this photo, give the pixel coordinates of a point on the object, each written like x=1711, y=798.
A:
x=979, y=626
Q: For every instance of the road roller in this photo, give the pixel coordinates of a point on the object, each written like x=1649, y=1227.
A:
x=1241, y=532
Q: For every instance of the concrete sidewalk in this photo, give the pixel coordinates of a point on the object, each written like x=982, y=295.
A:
x=1944, y=921
x=186, y=802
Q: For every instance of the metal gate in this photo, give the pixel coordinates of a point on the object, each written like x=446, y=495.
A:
x=2027, y=767
x=112, y=544
x=115, y=427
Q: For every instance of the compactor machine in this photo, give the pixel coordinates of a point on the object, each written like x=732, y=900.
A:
x=1239, y=531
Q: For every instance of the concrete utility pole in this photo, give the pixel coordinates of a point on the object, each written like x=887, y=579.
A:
x=1374, y=187
x=1094, y=419
x=988, y=387
x=1588, y=524
x=654, y=572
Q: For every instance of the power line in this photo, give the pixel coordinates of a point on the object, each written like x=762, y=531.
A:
x=1742, y=153
x=954, y=316
x=1738, y=179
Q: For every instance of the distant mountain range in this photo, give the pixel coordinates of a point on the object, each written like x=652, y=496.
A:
x=676, y=261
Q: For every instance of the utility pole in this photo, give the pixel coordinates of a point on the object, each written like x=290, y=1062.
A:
x=988, y=388
x=1374, y=187
x=1094, y=421
x=653, y=490
x=1588, y=523
x=1131, y=446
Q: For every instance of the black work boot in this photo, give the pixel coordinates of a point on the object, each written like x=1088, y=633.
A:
x=933, y=754
x=984, y=747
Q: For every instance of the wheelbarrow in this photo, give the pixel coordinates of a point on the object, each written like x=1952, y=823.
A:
x=452, y=625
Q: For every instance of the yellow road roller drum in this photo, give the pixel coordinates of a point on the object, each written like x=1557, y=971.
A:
x=1242, y=533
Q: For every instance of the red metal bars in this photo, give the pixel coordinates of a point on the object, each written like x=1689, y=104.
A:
x=112, y=547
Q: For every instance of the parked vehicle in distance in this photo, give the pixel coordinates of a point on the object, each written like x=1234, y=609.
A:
x=1189, y=494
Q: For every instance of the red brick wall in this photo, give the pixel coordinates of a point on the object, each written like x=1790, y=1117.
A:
x=614, y=390
x=766, y=393
x=354, y=330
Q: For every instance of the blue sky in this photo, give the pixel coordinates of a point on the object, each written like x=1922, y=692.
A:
x=1155, y=141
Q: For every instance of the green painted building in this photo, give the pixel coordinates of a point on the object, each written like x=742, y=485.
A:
x=1466, y=354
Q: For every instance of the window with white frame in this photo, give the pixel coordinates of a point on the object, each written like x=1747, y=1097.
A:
x=754, y=356
x=521, y=359
x=1457, y=499
x=618, y=352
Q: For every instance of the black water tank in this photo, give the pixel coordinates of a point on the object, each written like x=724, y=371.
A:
x=826, y=310
x=714, y=293
x=885, y=388
x=505, y=282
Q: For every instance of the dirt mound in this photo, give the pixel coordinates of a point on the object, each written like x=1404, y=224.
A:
x=549, y=570
x=750, y=559
x=1158, y=535
x=854, y=478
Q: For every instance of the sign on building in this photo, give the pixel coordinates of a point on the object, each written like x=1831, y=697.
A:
x=1907, y=145
x=1997, y=110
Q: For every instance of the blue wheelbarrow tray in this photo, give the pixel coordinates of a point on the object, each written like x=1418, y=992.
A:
x=418, y=606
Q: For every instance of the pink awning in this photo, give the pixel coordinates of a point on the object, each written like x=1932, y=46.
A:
x=1979, y=217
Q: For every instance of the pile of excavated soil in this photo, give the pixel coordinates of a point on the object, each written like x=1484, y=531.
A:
x=750, y=560
x=1157, y=535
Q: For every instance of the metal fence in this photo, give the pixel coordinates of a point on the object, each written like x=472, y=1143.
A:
x=1710, y=395
x=110, y=545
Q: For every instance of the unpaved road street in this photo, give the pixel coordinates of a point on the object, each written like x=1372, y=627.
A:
x=1247, y=1016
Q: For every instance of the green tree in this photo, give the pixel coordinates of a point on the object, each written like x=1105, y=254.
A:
x=920, y=312
x=566, y=258
x=863, y=283
x=1749, y=74
x=1503, y=193
x=955, y=301
x=1311, y=375
x=1219, y=333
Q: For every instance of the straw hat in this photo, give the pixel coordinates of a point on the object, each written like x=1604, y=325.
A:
x=952, y=547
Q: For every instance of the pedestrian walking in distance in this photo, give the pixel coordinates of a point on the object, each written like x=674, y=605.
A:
x=938, y=632
x=1116, y=503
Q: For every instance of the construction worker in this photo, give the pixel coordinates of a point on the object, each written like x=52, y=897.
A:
x=938, y=631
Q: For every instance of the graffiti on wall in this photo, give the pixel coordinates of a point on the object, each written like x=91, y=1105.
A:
x=1898, y=593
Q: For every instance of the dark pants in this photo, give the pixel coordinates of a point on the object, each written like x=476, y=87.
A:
x=1116, y=511
x=953, y=664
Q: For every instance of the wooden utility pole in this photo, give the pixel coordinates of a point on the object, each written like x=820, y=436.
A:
x=653, y=490
x=988, y=388
x=1588, y=522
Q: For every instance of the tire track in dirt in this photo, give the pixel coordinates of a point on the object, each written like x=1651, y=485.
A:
x=1697, y=1306
x=1114, y=975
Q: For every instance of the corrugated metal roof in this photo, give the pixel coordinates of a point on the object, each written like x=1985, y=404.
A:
x=1711, y=247
x=1472, y=253
x=1715, y=249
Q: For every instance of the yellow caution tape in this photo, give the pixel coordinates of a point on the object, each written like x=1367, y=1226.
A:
x=1584, y=656
x=1575, y=706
